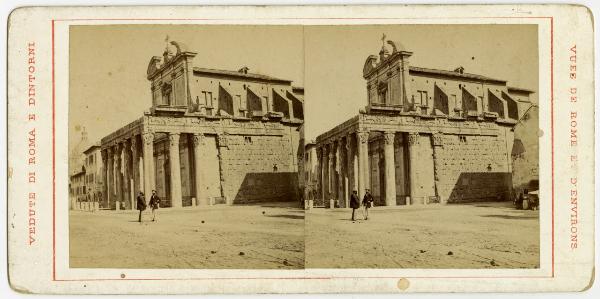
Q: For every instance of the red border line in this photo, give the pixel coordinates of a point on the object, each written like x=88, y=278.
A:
x=237, y=19
x=302, y=278
x=552, y=125
x=53, y=164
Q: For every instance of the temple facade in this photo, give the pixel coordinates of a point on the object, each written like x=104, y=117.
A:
x=211, y=136
x=425, y=135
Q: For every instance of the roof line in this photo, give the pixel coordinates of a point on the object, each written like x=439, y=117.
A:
x=519, y=89
x=227, y=73
x=454, y=74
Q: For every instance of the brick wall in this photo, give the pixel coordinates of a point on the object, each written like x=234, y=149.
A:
x=472, y=168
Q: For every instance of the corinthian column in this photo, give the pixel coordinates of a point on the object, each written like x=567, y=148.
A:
x=135, y=160
x=198, y=177
x=413, y=141
x=110, y=181
x=349, y=180
x=390, y=169
x=331, y=175
x=324, y=177
x=363, y=162
x=127, y=175
x=175, y=170
x=117, y=175
x=340, y=176
x=148, y=152
x=104, y=177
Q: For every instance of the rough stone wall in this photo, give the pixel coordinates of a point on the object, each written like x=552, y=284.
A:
x=472, y=168
x=260, y=168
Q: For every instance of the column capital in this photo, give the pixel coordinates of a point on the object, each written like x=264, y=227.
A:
x=349, y=142
x=134, y=143
x=222, y=140
x=362, y=136
x=198, y=139
x=115, y=149
x=174, y=139
x=413, y=138
x=104, y=154
x=148, y=138
x=389, y=137
x=438, y=139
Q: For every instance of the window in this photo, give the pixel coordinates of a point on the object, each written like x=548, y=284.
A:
x=462, y=138
x=422, y=98
x=382, y=92
x=207, y=98
x=248, y=140
x=167, y=95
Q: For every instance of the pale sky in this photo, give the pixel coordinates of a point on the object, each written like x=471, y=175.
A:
x=108, y=85
x=335, y=89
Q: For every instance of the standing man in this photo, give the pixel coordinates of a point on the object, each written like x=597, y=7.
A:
x=154, y=203
x=141, y=204
x=367, y=202
x=354, y=203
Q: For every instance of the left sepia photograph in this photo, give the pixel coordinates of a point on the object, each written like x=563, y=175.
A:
x=184, y=142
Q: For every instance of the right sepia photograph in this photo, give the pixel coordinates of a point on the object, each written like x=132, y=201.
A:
x=421, y=147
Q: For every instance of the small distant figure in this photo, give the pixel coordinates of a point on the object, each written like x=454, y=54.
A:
x=141, y=204
x=354, y=202
x=154, y=204
x=367, y=202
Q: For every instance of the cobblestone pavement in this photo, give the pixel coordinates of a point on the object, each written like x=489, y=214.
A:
x=480, y=235
x=243, y=237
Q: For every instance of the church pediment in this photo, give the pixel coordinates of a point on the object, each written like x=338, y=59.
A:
x=370, y=64
x=153, y=65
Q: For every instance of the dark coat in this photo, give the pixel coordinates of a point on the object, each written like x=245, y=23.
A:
x=368, y=200
x=154, y=201
x=141, y=202
x=354, y=203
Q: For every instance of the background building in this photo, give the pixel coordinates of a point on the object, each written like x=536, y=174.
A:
x=216, y=136
x=525, y=152
x=93, y=174
x=425, y=135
